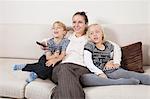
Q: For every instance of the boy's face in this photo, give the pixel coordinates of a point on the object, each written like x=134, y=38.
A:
x=58, y=31
x=95, y=34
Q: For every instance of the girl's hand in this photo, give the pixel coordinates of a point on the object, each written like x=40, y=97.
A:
x=111, y=65
x=103, y=75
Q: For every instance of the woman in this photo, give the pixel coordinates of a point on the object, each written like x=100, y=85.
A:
x=103, y=59
x=67, y=74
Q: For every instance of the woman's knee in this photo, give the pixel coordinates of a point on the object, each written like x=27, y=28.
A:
x=87, y=77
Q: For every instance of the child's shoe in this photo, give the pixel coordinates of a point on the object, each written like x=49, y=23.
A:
x=18, y=66
x=32, y=76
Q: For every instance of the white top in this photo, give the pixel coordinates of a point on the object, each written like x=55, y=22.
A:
x=89, y=62
x=74, y=51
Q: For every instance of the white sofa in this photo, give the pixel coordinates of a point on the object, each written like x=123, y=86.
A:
x=18, y=46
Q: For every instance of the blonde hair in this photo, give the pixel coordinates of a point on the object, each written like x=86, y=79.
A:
x=60, y=24
x=101, y=28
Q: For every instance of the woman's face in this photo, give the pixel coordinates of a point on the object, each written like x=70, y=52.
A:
x=95, y=34
x=78, y=23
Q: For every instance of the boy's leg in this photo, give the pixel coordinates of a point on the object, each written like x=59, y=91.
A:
x=18, y=66
x=94, y=80
x=121, y=73
x=29, y=67
x=39, y=68
x=32, y=76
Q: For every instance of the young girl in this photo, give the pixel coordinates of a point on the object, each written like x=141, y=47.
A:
x=55, y=52
x=103, y=59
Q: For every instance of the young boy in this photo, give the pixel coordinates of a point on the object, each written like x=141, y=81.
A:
x=103, y=59
x=54, y=53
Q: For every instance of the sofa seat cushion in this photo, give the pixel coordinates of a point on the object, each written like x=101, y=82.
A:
x=13, y=88
x=12, y=83
x=118, y=92
x=39, y=89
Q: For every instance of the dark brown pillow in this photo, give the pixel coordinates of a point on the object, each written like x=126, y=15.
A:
x=132, y=58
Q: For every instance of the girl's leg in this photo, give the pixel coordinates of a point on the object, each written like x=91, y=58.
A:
x=121, y=73
x=94, y=80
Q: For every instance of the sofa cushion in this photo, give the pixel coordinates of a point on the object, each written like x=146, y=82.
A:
x=13, y=88
x=118, y=92
x=39, y=89
x=132, y=57
x=12, y=83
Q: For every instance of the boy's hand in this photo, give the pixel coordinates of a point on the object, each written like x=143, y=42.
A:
x=43, y=45
x=44, y=48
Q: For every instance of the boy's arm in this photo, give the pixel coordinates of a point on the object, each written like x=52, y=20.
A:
x=45, y=43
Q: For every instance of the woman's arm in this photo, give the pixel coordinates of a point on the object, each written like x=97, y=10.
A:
x=90, y=65
x=53, y=61
x=50, y=56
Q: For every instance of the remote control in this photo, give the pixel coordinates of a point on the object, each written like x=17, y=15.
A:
x=41, y=44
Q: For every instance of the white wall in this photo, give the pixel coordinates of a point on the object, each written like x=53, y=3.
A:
x=45, y=12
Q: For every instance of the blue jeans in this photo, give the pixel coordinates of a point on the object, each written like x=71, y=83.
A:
x=121, y=73
x=117, y=77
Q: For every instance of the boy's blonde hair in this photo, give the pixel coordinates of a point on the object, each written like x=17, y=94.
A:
x=101, y=28
x=60, y=24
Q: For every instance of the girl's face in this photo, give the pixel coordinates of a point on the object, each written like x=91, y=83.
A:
x=58, y=31
x=95, y=34
x=78, y=23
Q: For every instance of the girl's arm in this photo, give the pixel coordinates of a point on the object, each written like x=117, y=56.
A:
x=115, y=63
x=90, y=65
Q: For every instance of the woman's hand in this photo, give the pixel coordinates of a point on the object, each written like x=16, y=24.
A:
x=51, y=62
x=103, y=75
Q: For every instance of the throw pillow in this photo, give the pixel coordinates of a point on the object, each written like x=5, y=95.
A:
x=132, y=58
